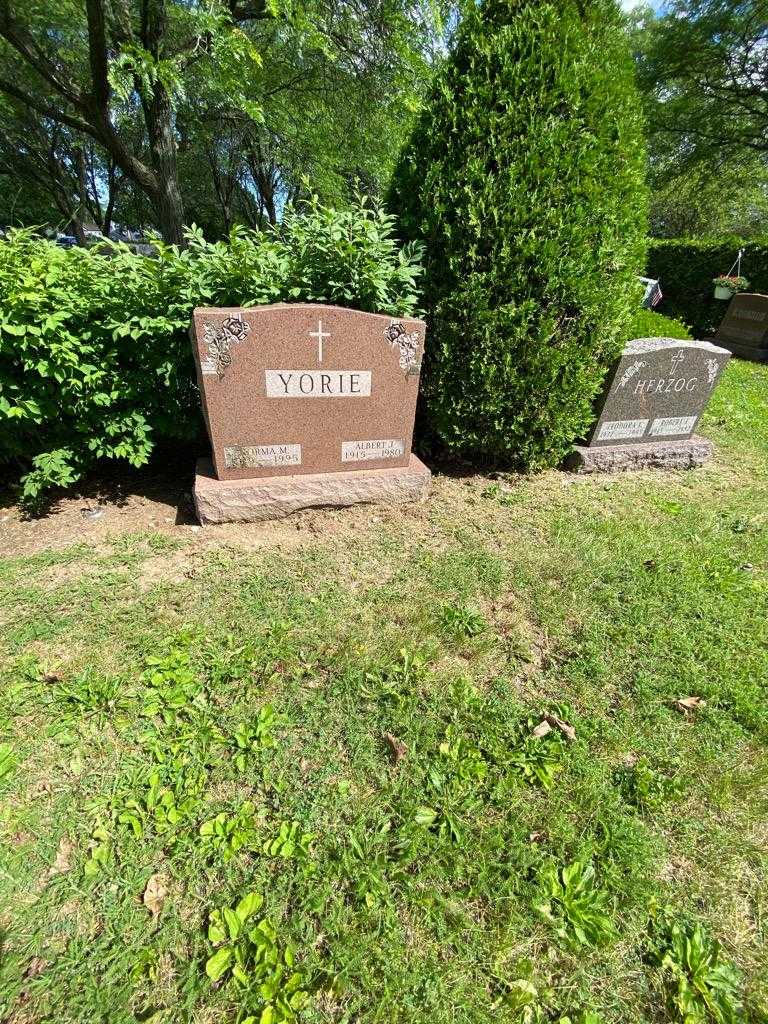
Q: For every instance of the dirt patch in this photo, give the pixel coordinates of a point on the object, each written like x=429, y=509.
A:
x=158, y=499
x=149, y=499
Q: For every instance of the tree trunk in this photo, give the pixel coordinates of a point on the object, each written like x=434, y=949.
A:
x=167, y=201
x=112, y=185
x=158, y=113
x=79, y=231
x=223, y=193
x=170, y=212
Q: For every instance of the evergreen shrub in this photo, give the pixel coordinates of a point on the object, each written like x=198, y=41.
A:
x=525, y=179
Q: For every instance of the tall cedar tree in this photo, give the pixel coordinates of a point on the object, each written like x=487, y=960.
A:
x=525, y=179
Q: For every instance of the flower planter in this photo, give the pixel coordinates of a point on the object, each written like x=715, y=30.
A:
x=721, y=292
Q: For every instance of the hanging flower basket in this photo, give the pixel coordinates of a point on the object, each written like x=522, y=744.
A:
x=727, y=286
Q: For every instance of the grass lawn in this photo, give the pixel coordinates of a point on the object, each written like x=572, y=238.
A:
x=306, y=769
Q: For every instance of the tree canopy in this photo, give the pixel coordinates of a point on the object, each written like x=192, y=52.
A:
x=222, y=109
x=703, y=70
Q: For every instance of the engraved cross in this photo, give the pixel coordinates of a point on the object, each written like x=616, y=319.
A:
x=319, y=334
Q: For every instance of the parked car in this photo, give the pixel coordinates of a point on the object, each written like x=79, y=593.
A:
x=66, y=241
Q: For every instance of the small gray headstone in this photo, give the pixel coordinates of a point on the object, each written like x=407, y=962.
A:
x=657, y=391
x=651, y=405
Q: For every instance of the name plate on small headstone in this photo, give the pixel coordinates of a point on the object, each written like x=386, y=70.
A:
x=745, y=324
x=301, y=388
x=657, y=391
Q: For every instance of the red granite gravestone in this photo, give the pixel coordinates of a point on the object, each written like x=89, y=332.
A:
x=306, y=405
x=744, y=330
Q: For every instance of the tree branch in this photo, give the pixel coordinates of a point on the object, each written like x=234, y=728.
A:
x=62, y=81
x=45, y=109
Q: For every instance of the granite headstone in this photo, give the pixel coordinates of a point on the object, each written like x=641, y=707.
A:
x=651, y=405
x=306, y=405
x=744, y=330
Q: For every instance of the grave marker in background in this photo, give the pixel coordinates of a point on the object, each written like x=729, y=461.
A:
x=744, y=330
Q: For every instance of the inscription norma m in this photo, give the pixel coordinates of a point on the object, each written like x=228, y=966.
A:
x=362, y=451
x=616, y=429
x=258, y=456
x=317, y=383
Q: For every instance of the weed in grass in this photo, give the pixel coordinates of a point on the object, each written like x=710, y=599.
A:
x=532, y=1002
x=367, y=864
x=537, y=760
x=460, y=760
x=171, y=795
x=462, y=621
x=647, y=788
x=395, y=681
x=440, y=820
x=230, y=660
x=227, y=834
x=495, y=492
x=700, y=985
x=90, y=693
x=99, y=851
x=172, y=689
x=579, y=910
x=249, y=738
x=251, y=956
x=522, y=755
x=291, y=842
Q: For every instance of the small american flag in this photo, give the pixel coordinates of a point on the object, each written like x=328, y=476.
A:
x=652, y=295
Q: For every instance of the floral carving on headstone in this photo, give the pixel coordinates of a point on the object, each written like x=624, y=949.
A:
x=219, y=337
x=630, y=372
x=712, y=367
x=407, y=343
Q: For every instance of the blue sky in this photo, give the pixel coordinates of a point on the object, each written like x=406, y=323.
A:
x=628, y=5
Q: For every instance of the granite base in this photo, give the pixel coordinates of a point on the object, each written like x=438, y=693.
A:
x=750, y=352
x=688, y=454
x=252, y=501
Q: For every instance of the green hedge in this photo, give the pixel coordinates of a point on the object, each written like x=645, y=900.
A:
x=686, y=268
x=525, y=179
x=95, y=359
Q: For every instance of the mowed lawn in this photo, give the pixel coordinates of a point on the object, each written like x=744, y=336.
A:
x=421, y=765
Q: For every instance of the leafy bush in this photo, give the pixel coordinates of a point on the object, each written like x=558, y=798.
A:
x=95, y=360
x=687, y=268
x=525, y=178
x=647, y=324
